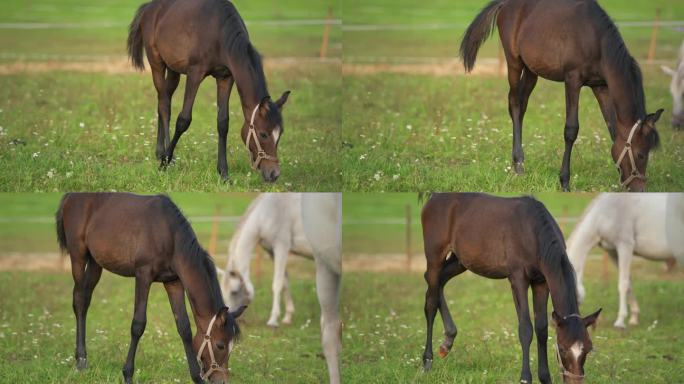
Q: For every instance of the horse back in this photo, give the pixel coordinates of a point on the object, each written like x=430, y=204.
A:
x=121, y=232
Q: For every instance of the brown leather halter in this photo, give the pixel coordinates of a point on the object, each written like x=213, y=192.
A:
x=561, y=367
x=627, y=150
x=260, y=152
x=214, y=367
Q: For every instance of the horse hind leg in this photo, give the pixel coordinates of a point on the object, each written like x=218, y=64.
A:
x=515, y=70
x=86, y=274
x=519, y=286
x=432, y=301
x=451, y=269
x=194, y=79
x=328, y=291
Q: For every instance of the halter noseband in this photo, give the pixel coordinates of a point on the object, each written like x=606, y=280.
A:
x=260, y=152
x=627, y=150
x=207, y=342
x=561, y=367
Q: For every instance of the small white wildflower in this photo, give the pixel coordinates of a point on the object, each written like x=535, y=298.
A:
x=409, y=126
x=395, y=177
x=362, y=157
x=69, y=174
x=81, y=124
x=35, y=154
x=51, y=173
x=377, y=176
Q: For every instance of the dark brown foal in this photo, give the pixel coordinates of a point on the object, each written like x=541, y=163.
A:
x=201, y=38
x=513, y=238
x=148, y=238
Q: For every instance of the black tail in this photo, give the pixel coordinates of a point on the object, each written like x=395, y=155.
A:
x=478, y=31
x=135, y=39
x=59, y=223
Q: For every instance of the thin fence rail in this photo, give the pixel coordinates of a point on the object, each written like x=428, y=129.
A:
x=458, y=26
x=112, y=24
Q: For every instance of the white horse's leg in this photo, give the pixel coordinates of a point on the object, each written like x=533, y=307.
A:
x=289, y=303
x=328, y=290
x=625, y=254
x=633, y=307
x=280, y=263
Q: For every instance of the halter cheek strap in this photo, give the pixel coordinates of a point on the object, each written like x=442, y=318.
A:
x=260, y=152
x=627, y=150
x=214, y=367
x=561, y=367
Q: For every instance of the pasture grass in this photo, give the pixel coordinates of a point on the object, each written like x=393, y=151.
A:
x=37, y=329
x=384, y=334
x=421, y=132
x=68, y=131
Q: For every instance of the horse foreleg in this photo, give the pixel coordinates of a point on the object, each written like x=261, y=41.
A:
x=142, y=290
x=328, y=291
x=572, y=93
x=280, y=253
x=519, y=287
x=176, y=293
x=223, y=88
x=289, y=303
x=633, y=306
x=603, y=97
x=452, y=268
x=194, y=79
x=540, y=297
x=625, y=254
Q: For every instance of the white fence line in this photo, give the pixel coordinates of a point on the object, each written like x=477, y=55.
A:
x=113, y=24
x=458, y=26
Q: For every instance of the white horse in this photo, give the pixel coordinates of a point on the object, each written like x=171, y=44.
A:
x=677, y=89
x=650, y=225
x=274, y=221
x=308, y=224
x=322, y=218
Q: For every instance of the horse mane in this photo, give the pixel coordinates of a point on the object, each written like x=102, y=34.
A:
x=551, y=248
x=240, y=48
x=191, y=250
x=614, y=49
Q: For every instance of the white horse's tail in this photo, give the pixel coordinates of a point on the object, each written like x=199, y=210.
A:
x=580, y=242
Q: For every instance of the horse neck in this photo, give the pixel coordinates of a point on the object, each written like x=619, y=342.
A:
x=583, y=238
x=251, y=85
x=562, y=288
x=626, y=92
x=203, y=290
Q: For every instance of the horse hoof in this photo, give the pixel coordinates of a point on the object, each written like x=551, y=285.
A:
x=272, y=324
x=81, y=363
x=287, y=321
x=443, y=351
x=633, y=322
x=519, y=168
x=619, y=324
x=427, y=365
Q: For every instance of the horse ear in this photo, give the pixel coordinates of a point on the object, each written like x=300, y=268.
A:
x=222, y=315
x=237, y=313
x=654, y=117
x=280, y=102
x=265, y=105
x=591, y=319
x=668, y=71
x=556, y=319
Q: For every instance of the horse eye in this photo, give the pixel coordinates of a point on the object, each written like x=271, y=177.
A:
x=640, y=156
x=235, y=292
x=263, y=135
x=220, y=345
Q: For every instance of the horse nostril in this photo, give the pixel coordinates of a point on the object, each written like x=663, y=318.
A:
x=274, y=174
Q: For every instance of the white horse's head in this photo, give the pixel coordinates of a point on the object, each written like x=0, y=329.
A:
x=237, y=290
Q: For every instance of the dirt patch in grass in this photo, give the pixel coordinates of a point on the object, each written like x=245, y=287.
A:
x=436, y=67
x=122, y=65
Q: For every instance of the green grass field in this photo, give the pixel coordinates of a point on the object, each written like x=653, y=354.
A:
x=68, y=130
x=424, y=132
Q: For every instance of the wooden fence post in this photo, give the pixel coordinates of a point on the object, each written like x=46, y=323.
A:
x=326, y=34
x=654, y=37
x=214, y=231
x=408, y=237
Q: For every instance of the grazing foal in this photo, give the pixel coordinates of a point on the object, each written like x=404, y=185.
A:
x=513, y=238
x=201, y=38
x=147, y=237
